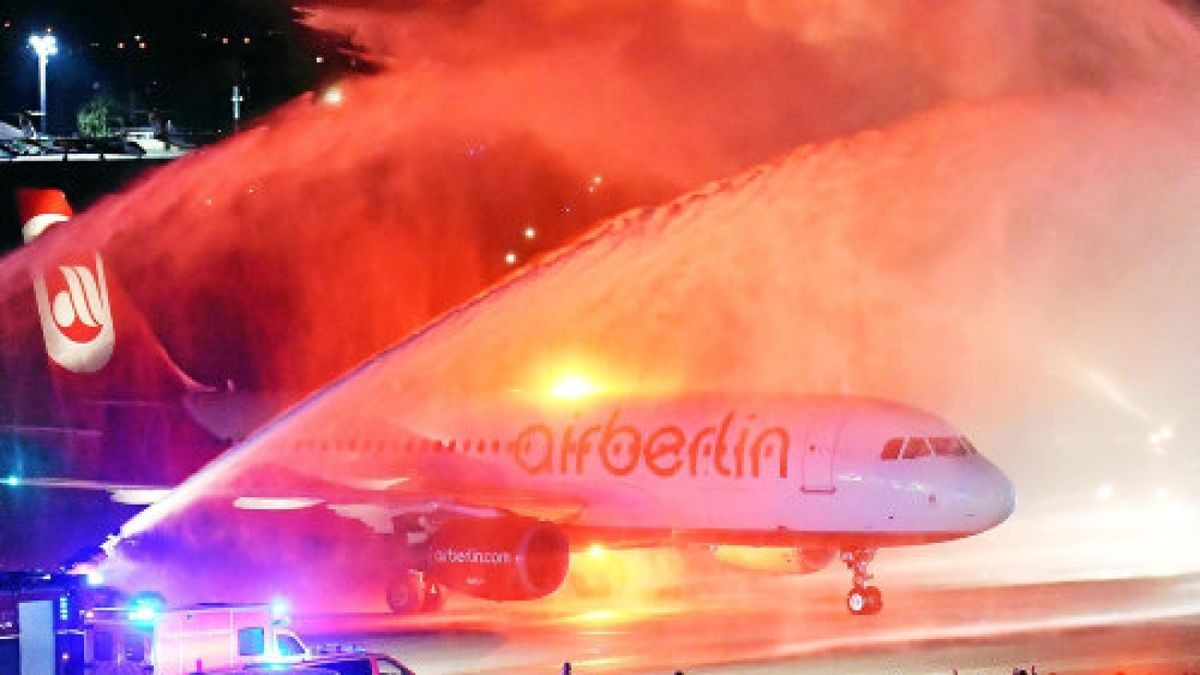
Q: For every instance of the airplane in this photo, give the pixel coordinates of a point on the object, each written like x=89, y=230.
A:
x=487, y=494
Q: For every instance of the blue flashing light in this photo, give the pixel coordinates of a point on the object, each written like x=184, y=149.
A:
x=12, y=480
x=144, y=609
x=279, y=609
x=143, y=614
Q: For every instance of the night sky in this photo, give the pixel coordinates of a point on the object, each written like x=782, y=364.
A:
x=179, y=59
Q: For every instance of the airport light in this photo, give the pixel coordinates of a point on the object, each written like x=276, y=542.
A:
x=144, y=609
x=332, y=95
x=143, y=615
x=573, y=386
x=46, y=46
x=12, y=480
x=236, y=99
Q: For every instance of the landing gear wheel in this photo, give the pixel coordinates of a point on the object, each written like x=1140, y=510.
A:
x=435, y=598
x=864, y=601
x=856, y=601
x=406, y=593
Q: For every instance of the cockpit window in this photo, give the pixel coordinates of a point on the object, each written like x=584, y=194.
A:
x=916, y=447
x=891, y=449
x=950, y=446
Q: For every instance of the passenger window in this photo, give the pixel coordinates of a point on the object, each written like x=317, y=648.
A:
x=947, y=446
x=355, y=667
x=251, y=642
x=916, y=447
x=891, y=449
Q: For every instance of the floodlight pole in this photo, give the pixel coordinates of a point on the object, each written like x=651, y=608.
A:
x=42, y=59
x=236, y=100
x=45, y=46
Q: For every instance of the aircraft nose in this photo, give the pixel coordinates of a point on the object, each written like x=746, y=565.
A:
x=1001, y=497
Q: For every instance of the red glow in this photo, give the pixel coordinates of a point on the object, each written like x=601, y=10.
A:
x=1005, y=230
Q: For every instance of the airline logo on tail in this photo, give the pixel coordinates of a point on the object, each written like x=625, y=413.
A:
x=72, y=300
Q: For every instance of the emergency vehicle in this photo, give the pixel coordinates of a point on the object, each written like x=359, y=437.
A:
x=211, y=636
x=42, y=624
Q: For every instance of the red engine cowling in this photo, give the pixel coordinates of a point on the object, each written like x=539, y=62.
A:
x=507, y=558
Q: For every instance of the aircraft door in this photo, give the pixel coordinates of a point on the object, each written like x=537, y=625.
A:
x=817, y=452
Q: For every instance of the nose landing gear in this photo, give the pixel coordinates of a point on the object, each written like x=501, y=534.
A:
x=862, y=599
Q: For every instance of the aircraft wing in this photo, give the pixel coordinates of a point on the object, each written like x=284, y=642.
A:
x=366, y=449
x=393, y=436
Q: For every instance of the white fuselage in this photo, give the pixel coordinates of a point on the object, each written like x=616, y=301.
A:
x=764, y=470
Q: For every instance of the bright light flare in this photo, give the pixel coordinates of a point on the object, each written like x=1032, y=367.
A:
x=144, y=614
x=596, y=551
x=145, y=608
x=279, y=609
x=332, y=96
x=1161, y=435
x=574, y=386
x=45, y=45
x=1105, y=492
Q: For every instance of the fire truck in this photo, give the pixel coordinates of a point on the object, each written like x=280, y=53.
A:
x=41, y=624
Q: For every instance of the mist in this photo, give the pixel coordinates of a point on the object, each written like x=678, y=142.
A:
x=983, y=209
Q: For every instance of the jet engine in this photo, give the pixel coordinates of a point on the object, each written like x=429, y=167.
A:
x=776, y=560
x=505, y=558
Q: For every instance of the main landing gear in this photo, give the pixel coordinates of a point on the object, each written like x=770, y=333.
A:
x=862, y=599
x=412, y=591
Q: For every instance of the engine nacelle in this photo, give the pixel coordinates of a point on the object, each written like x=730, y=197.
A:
x=776, y=560
x=506, y=558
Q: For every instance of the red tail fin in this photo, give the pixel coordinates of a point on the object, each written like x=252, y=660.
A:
x=94, y=337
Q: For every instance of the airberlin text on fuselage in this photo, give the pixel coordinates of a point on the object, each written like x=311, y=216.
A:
x=725, y=449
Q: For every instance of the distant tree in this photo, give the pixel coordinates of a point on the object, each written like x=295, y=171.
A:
x=100, y=117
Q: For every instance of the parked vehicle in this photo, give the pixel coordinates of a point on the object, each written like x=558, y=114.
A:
x=347, y=663
x=207, y=637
